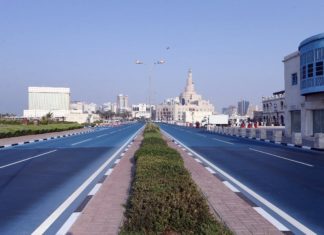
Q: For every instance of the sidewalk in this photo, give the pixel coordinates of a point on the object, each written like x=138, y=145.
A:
x=228, y=206
x=105, y=212
x=27, y=138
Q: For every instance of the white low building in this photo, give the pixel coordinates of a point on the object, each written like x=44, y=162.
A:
x=142, y=111
x=274, y=109
x=189, y=107
x=56, y=100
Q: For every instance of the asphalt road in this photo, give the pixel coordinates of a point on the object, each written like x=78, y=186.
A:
x=290, y=178
x=35, y=179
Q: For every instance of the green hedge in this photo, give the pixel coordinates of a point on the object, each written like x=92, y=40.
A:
x=20, y=130
x=164, y=199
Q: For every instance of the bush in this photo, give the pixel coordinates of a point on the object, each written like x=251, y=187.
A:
x=164, y=199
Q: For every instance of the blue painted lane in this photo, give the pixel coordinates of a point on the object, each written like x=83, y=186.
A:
x=290, y=178
x=32, y=188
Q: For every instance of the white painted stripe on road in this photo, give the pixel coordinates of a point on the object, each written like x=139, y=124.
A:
x=81, y=142
x=201, y=135
x=231, y=186
x=117, y=161
x=274, y=155
x=198, y=160
x=68, y=224
x=41, y=229
x=102, y=135
x=264, y=201
x=210, y=170
x=222, y=141
x=109, y=171
x=271, y=219
x=95, y=189
x=26, y=159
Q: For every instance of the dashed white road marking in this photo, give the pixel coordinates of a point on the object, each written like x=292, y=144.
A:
x=231, y=186
x=223, y=141
x=81, y=142
x=68, y=224
x=201, y=135
x=271, y=219
x=210, y=170
x=95, y=189
x=109, y=171
x=26, y=159
x=102, y=135
x=274, y=155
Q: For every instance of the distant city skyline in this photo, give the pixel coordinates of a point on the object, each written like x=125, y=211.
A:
x=235, y=49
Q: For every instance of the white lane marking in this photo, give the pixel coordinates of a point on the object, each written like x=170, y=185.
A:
x=223, y=141
x=109, y=171
x=271, y=219
x=81, y=142
x=41, y=229
x=231, y=186
x=198, y=160
x=102, y=135
x=68, y=224
x=264, y=201
x=26, y=159
x=210, y=170
x=95, y=189
x=117, y=161
x=274, y=155
x=201, y=135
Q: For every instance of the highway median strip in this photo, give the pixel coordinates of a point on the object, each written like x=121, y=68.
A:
x=164, y=199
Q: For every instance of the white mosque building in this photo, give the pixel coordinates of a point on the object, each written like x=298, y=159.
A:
x=188, y=107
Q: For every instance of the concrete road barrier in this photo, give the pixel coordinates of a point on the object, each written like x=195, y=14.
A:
x=296, y=138
x=319, y=141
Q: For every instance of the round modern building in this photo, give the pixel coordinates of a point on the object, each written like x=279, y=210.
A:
x=311, y=52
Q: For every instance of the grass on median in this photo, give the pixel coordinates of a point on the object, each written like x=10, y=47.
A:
x=164, y=199
x=13, y=130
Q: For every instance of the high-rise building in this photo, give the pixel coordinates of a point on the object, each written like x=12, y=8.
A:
x=242, y=107
x=122, y=103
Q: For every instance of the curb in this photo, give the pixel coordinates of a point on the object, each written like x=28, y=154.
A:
x=270, y=141
x=43, y=139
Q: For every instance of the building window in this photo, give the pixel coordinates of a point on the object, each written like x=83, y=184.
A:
x=310, y=70
x=319, y=68
x=304, y=72
x=294, y=79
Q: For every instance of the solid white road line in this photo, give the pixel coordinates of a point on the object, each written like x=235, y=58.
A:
x=41, y=229
x=271, y=219
x=68, y=224
x=231, y=186
x=274, y=155
x=222, y=141
x=264, y=201
x=81, y=142
x=95, y=189
x=26, y=159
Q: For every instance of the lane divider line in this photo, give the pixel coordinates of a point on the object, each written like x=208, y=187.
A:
x=277, y=156
x=26, y=159
x=222, y=141
x=86, y=140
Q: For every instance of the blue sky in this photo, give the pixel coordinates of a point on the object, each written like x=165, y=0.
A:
x=234, y=48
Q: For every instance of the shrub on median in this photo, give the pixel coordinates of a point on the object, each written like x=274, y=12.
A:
x=164, y=199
